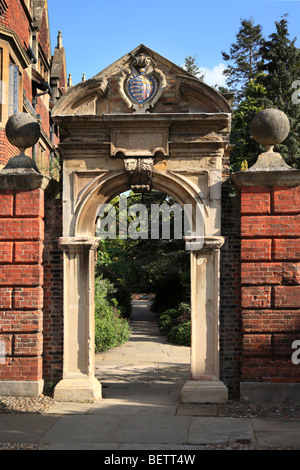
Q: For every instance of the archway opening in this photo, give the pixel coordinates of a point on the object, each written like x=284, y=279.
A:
x=142, y=295
x=79, y=270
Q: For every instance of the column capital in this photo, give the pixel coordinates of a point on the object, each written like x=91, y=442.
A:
x=78, y=244
x=204, y=244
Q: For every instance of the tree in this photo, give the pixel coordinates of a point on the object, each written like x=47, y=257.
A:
x=191, y=66
x=244, y=57
x=246, y=149
x=280, y=69
x=159, y=266
x=263, y=71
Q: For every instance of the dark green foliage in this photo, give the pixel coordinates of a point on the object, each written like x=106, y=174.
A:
x=175, y=323
x=245, y=147
x=244, y=57
x=262, y=73
x=111, y=329
x=165, y=323
x=159, y=266
x=121, y=293
x=167, y=319
x=143, y=265
x=191, y=66
x=280, y=69
x=181, y=334
x=169, y=292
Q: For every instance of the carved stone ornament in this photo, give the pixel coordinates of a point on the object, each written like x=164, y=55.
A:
x=141, y=84
x=140, y=173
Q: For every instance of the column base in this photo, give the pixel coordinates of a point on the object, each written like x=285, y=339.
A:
x=81, y=390
x=204, y=391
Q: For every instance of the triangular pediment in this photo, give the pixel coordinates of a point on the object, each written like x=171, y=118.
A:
x=141, y=81
x=121, y=63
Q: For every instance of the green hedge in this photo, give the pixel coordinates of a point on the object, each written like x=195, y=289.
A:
x=180, y=334
x=175, y=324
x=111, y=329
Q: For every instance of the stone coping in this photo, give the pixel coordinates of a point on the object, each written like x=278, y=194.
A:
x=265, y=178
x=26, y=179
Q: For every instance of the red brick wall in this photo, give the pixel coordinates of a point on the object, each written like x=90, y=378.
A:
x=270, y=283
x=43, y=37
x=53, y=293
x=21, y=281
x=230, y=301
x=6, y=149
x=17, y=20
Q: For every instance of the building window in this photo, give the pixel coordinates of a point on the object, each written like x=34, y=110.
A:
x=13, y=89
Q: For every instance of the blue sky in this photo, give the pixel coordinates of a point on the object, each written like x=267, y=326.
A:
x=97, y=32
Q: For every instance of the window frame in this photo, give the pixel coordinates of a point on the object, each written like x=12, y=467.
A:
x=14, y=89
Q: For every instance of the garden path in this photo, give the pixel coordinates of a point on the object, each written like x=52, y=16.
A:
x=147, y=365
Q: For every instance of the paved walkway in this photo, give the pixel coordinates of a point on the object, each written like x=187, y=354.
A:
x=147, y=368
x=141, y=409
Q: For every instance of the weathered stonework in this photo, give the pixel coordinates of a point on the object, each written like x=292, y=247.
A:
x=172, y=139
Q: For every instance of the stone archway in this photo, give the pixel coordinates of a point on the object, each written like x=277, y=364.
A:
x=110, y=144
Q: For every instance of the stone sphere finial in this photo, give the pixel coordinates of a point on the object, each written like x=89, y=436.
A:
x=22, y=131
x=270, y=127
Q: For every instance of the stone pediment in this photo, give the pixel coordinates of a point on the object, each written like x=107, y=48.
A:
x=140, y=82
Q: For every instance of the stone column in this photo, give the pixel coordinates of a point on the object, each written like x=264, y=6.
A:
x=205, y=385
x=79, y=382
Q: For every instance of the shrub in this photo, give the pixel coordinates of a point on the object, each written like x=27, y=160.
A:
x=184, y=311
x=123, y=297
x=165, y=323
x=120, y=291
x=175, y=323
x=167, y=320
x=111, y=329
x=181, y=334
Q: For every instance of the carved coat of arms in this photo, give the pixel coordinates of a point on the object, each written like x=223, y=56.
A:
x=141, y=87
x=141, y=84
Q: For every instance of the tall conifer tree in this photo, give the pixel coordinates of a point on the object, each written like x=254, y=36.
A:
x=191, y=66
x=263, y=72
x=280, y=69
x=246, y=149
x=244, y=57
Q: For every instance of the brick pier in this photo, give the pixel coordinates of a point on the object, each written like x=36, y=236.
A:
x=21, y=289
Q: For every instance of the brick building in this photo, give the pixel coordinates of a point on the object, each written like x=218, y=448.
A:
x=31, y=79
